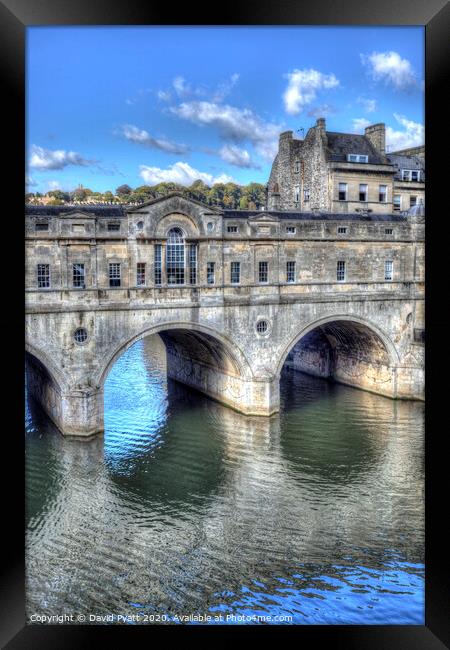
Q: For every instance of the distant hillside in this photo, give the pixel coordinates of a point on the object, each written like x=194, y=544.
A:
x=223, y=195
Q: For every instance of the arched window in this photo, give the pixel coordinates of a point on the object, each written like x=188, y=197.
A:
x=175, y=256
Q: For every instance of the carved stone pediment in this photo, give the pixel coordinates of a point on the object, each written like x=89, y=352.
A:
x=263, y=217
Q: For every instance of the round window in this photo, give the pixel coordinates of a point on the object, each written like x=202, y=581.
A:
x=262, y=326
x=80, y=335
x=210, y=226
x=140, y=225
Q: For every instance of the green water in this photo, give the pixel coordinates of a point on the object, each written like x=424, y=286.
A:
x=184, y=507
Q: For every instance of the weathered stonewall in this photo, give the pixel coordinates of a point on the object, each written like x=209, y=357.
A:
x=233, y=295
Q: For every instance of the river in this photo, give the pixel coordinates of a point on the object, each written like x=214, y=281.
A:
x=186, y=508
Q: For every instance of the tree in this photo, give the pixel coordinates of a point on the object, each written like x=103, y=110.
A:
x=255, y=194
x=199, y=191
x=122, y=190
x=243, y=203
x=59, y=195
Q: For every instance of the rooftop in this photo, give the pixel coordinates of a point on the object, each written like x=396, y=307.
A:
x=119, y=211
x=342, y=144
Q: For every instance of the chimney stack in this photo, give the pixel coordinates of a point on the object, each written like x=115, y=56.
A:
x=320, y=124
x=376, y=133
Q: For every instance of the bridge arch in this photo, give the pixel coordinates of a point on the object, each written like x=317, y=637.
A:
x=208, y=346
x=50, y=368
x=347, y=349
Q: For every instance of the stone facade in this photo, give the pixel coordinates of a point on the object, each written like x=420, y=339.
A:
x=227, y=329
x=321, y=174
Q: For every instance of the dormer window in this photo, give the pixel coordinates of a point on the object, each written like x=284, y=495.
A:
x=291, y=230
x=411, y=175
x=232, y=229
x=357, y=157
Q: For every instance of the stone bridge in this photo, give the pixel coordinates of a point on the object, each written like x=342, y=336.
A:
x=234, y=295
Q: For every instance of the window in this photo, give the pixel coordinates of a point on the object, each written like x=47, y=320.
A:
x=210, y=273
x=232, y=228
x=210, y=226
x=382, y=194
x=158, y=264
x=291, y=230
x=140, y=225
x=235, y=272
x=354, y=157
x=342, y=191
x=43, y=276
x=113, y=227
x=297, y=166
x=78, y=276
x=175, y=256
x=40, y=226
x=296, y=194
x=363, y=192
x=388, y=270
x=342, y=230
x=340, y=271
x=397, y=202
x=192, y=263
x=80, y=335
x=262, y=326
x=114, y=275
x=140, y=274
x=306, y=196
x=412, y=201
x=263, y=274
x=388, y=231
x=290, y=271
x=411, y=175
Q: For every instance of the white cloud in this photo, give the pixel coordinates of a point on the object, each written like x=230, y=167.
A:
x=53, y=185
x=164, y=95
x=30, y=182
x=413, y=134
x=369, y=105
x=180, y=85
x=303, y=86
x=225, y=88
x=390, y=68
x=182, y=173
x=233, y=155
x=322, y=111
x=233, y=124
x=359, y=124
x=139, y=136
x=45, y=159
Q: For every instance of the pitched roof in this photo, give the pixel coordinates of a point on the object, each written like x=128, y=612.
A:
x=314, y=216
x=400, y=161
x=55, y=210
x=342, y=144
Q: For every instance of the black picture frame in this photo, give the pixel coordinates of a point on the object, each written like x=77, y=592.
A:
x=16, y=16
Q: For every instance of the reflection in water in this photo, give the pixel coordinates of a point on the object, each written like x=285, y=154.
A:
x=186, y=507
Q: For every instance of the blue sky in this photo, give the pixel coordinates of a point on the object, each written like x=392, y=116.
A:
x=141, y=105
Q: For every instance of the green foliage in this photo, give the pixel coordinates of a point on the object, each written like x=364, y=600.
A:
x=123, y=190
x=229, y=196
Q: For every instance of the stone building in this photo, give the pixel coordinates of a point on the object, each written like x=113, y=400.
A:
x=344, y=173
x=231, y=293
